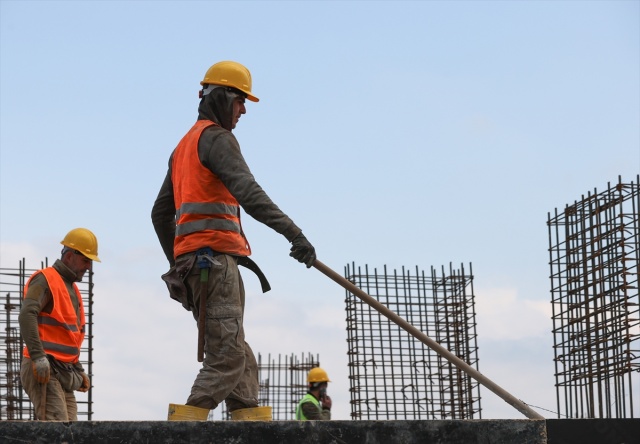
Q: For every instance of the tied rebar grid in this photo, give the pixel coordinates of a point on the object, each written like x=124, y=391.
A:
x=281, y=385
x=594, y=251
x=392, y=375
x=14, y=402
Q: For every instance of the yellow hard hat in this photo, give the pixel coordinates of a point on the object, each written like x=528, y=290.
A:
x=317, y=375
x=231, y=74
x=84, y=241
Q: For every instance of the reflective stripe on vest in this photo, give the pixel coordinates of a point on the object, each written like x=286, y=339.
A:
x=60, y=332
x=207, y=214
x=209, y=209
x=306, y=398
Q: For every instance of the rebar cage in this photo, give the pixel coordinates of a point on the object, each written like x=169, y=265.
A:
x=392, y=375
x=593, y=255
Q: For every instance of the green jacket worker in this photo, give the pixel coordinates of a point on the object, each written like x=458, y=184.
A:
x=316, y=404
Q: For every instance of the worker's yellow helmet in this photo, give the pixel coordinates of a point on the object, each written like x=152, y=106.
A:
x=317, y=375
x=84, y=241
x=231, y=74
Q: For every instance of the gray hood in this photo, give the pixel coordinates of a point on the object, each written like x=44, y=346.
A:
x=217, y=106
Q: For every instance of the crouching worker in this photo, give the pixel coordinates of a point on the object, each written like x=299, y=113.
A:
x=52, y=326
x=316, y=404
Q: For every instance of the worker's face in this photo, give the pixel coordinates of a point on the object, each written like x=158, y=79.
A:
x=238, y=109
x=78, y=263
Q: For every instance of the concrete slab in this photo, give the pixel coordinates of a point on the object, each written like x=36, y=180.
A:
x=276, y=432
x=593, y=431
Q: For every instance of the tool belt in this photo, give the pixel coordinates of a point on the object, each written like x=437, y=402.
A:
x=204, y=259
x=177, y=274
x=67, y=374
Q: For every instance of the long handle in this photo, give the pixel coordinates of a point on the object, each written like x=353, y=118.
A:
x=475, y=374
x=42, y=414
x=202, y=320
x=202, y=311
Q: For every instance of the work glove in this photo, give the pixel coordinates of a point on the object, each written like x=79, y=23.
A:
x=41, y=369
x=302, y=250
x=86, y=383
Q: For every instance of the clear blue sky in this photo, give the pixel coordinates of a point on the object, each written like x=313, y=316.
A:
x=393, y=133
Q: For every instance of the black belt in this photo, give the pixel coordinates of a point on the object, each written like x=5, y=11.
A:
x=251, y=265
x=243, y=261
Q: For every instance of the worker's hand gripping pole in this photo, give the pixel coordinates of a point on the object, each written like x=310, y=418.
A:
x=475, y=374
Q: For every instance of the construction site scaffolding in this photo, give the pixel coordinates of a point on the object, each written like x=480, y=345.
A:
x=594, y=251
x=394, y=376
x=14, y=402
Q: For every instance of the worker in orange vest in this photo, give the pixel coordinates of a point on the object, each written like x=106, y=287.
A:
x=52, y=325
x=316, y=404
x=197, y=219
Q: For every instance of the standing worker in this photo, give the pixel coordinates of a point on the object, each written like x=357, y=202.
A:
x=52, y=326
x=197, y=219
x=316, y=404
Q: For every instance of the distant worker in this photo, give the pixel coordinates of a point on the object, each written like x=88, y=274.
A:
x=316, y=404
x=197, y=219
x=52, y=326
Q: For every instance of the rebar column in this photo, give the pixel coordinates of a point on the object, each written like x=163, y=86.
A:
x=394, y=376
x=594, y=251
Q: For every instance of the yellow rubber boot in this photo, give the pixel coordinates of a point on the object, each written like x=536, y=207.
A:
x=179, y=412
x=252, y=414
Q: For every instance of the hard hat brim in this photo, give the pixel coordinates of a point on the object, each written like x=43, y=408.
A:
x=248, y=94
x=93, y=257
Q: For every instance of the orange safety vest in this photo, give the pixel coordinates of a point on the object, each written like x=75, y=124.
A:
x=60, y=332
x=207, y=215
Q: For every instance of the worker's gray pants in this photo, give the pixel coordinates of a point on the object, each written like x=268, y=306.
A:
x=61, y=404
x=229, y=372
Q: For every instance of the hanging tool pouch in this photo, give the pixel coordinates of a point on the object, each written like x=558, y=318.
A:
x=175, y=280
x=67, y=374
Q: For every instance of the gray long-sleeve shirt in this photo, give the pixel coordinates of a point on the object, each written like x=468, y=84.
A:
x=219, y=152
